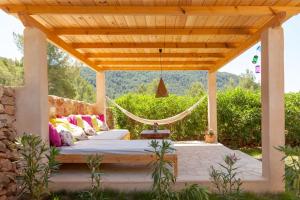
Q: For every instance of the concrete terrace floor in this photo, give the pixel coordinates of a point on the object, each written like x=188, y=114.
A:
x=194, y=160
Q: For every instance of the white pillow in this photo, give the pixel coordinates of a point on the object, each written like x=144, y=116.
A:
x=88, y=129
x=65, y=135
x=77, y=132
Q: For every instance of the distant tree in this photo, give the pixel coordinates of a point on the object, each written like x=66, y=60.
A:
x=196, y=89
x=64, y=75
x=149, y=88
x=247, y=81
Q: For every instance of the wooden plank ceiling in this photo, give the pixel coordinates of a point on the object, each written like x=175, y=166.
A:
x=127, y=34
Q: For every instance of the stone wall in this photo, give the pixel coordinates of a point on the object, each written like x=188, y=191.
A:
x=8, y=167
x=63, y=107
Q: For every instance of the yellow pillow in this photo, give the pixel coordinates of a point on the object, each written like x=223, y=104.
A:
x=95, y=123
x=79, y=121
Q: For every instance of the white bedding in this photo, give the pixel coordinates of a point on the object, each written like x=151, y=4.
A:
x=114, y=134
x=109, y=147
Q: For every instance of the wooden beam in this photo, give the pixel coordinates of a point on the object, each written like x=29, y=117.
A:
x=153, y=68
x=95, y=45
x=150, y=10
x=29, y=21
x=154, y=31
x=154, y=55
x=154, y=63
x=274, y=21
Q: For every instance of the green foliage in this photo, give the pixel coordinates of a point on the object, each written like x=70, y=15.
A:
x=37, y=162
x=247, y=81
x=119, y=83
x=147, y=106
x=225, y=179
x=94, y=162
x=162, y=176
x=292, y=169
x=11, y=72
x=239, y=117
x=292, y=118
x=194, y=192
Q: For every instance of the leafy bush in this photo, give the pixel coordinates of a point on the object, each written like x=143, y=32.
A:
x=292, y=169
x=147, y=106
x=292, y=118
x=37, y=162
x=225, y=180
x=239, y=116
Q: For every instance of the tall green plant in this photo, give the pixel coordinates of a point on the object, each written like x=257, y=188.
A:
x=37, y=162
x=225, y=179
x=163, y=177
x=292, y=169
x=94, y=162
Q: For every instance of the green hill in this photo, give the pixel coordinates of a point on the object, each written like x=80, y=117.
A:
x=118, y=83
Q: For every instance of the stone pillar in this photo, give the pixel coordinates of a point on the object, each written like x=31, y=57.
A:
x=212, y=101
x=272, y=97
x=32, y=99
x=101, y=94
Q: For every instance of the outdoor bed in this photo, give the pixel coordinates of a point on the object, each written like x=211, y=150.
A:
x=113, y=151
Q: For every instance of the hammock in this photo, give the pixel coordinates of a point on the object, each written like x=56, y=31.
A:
x=169, y=120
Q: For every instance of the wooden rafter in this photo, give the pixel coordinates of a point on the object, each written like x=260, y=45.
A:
x=151, y=10
x=217, y=45
x=154, y=63
x=154, y=55
x=153, y=68
x=29, y=21
x=154, y=31
x=275, y=21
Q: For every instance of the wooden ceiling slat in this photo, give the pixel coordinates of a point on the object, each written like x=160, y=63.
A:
x=103, y=63
x=153, y=31
x=154, y=55
x=155, y=45
x=151, y=10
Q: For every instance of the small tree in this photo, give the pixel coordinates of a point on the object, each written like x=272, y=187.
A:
x=37, y=161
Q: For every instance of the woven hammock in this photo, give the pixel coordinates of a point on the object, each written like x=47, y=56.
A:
x=169, y=120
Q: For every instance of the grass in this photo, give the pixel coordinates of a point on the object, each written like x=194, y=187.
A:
x=115, y=195
x=255, y=152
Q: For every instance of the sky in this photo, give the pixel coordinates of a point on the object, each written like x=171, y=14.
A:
x=9, y=24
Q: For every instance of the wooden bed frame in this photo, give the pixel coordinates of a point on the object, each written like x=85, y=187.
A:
x=119, y=158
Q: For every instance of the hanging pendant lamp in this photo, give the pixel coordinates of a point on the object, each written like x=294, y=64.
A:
x=161, y=88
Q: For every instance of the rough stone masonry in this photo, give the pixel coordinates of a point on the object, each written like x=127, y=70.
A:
x=8, y=154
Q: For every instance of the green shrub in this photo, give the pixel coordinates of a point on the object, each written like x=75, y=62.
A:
x=239, y=116
x=37, y=161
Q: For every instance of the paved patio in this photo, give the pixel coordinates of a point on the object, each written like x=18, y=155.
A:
x=194, y=159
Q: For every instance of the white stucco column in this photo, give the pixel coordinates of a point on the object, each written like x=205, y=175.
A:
x=272, y=97
x=100, y=92
x=32, y=99
x=212, y=101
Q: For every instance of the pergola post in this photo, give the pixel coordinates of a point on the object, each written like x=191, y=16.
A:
x=100, y=92
x=32, y=99
x=272, y=97
x=212, y=101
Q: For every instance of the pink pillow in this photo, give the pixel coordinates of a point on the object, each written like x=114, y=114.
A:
x=54, y=137
x=101, y=117
x=72, y=119
x=88, y=119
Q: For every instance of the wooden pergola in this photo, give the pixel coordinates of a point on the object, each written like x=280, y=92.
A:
x=126, y=35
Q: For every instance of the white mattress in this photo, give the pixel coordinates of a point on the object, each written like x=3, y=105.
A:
x=114, y=134
x=109, y=147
